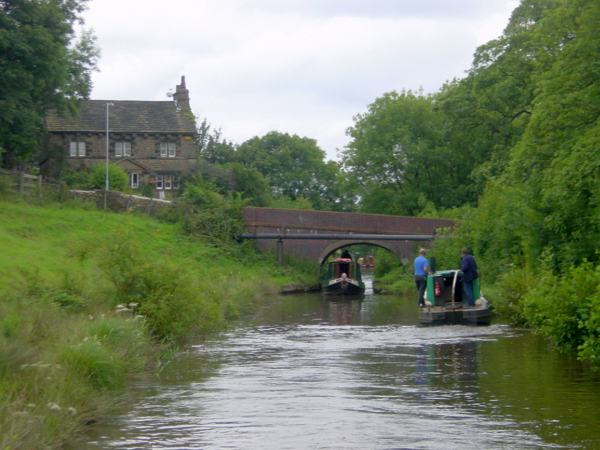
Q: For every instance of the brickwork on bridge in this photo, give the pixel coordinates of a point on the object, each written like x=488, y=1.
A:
x=292, y=221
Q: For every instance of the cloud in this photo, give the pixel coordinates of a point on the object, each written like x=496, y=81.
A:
x=305, y=67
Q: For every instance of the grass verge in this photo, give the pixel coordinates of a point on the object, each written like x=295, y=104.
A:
x=90, y=299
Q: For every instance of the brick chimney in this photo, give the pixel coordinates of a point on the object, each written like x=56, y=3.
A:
x=182, y=96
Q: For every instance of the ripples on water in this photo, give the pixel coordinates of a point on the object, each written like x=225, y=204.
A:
x=314, y=384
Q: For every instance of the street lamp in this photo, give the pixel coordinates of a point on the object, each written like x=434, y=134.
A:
x=106, y=183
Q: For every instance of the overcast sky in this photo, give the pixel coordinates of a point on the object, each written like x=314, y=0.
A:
x=299, y=66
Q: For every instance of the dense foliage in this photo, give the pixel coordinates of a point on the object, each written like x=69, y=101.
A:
x=514, y=149
x=42, y=65
x=567, y=310
x=277, y=169
x=519, y=137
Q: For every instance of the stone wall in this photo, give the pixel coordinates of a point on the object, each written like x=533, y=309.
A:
x=119, y=202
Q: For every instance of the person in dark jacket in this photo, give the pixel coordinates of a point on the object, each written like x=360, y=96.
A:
x=345, y=267
x=468, y=267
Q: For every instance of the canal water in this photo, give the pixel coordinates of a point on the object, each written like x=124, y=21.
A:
x=309, y=373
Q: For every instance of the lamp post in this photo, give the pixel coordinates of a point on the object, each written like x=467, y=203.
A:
x=106, y=182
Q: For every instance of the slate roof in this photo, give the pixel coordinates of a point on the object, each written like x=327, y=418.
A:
x=126, y=116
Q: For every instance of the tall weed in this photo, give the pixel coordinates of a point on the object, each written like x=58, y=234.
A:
x=95, y=363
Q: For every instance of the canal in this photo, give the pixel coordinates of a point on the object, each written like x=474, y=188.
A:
x=308, y=373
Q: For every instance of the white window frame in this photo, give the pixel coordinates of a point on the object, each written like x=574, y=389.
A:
x=134, y=180
x=77, y=149
x=122, y=149
x=168, y=150
x=168, y=182
x=159, y=180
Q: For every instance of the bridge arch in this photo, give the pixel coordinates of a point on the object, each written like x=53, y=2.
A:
x=389, y=246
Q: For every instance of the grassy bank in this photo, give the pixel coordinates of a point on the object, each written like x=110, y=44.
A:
x=90, y=299
x=390, y=276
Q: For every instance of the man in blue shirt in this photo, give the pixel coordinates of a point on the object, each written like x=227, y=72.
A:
x=421, y=270
x=468, y=267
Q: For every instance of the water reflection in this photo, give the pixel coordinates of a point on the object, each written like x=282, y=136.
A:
x=344, y=311
x=307, y=372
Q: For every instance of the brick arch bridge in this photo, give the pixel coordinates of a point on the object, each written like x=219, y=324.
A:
x=314, y=235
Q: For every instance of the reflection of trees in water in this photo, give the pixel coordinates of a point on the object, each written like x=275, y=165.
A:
x=556, y=397
x=344, y=311
x=442, y=373
x=447, y=365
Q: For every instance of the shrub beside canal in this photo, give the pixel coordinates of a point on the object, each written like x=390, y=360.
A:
x=566, y=309
x=89, y=300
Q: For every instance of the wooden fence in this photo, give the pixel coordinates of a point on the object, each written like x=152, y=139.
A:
x=21, y=182
x=29, y=185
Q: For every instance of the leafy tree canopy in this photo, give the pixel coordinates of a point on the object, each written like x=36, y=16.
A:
x=397, y=159
x=42, y=66
x=295, y=167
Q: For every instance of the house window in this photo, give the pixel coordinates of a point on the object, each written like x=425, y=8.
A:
x=167, y=149
x=159, y=182
x=134, y=180
x=168, y=182
x=175, y=181
x=77, y=149
x=122, y=149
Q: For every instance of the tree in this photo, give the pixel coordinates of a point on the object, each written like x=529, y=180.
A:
x=237, y=179
x=557, y=162
x=295, y=167
x=543, y=201
x=212, y=146
x=486, y=114
x=397, y=160
x=42, y=66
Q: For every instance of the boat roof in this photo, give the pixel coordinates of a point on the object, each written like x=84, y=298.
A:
x=446, y=272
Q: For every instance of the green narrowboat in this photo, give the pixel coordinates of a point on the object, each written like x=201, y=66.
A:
x=343, y=277
x=444, y=301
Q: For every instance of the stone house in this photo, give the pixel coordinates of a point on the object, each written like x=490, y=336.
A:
x=153, y=141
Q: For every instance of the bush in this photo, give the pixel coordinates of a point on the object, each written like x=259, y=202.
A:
x=77, y=178
x=567, y=310
x=207, y=213
x=510, y=290
x=117, y=177
x=173, y=304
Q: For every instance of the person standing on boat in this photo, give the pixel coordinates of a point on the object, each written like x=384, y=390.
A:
x=468, y=267
x=345, y=266
x=421, y=266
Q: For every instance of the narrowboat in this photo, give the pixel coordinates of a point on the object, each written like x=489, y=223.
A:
x=444, y=301
x=343, y=277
